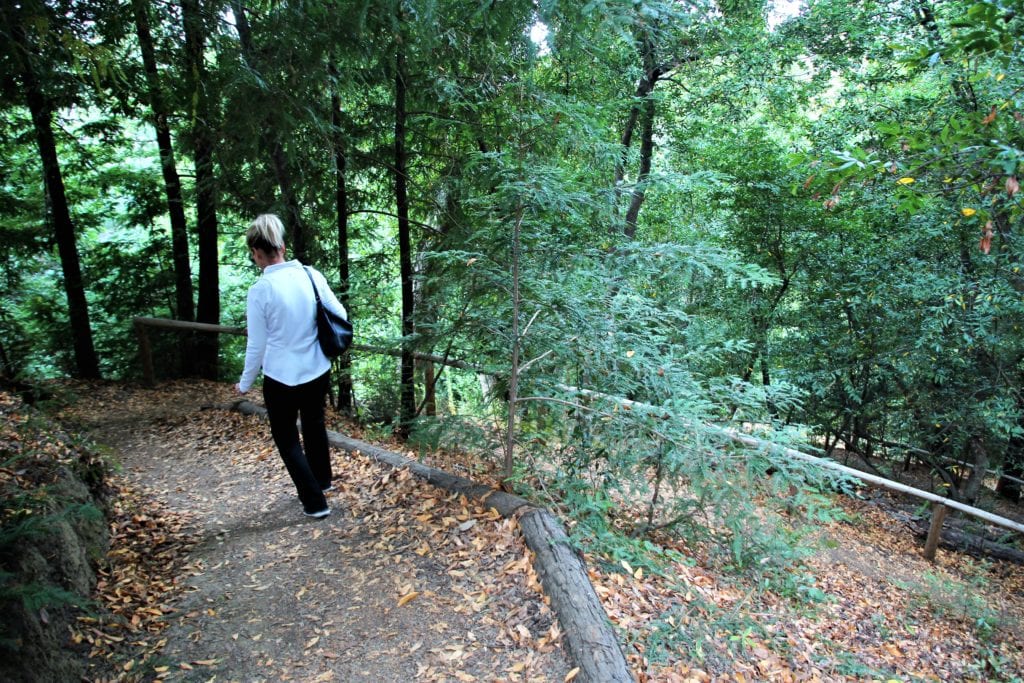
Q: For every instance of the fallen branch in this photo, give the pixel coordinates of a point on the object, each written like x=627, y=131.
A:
x=591, y=642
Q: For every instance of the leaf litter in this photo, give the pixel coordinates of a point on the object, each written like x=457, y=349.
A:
x=402, y=582
x=258, y=594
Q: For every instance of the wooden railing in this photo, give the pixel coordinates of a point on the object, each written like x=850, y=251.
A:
x=141, y=326
x=940, y=503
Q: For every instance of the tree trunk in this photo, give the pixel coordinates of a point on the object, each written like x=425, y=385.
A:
x=960, y=85
x=345, y=388
x=86, y=362
x=980, y=460
x=1009, y=484
x=206, y=188
x=408, y=396
x=646, y=155
x=274, y=147
x=513, y=375
x=172, y=183
x=429, y=389
x=647, y=111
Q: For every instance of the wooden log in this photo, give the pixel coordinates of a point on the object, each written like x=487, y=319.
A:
x=973, y=544
x=590, y=640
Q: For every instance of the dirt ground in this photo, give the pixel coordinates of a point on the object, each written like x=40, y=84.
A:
x=403, y=582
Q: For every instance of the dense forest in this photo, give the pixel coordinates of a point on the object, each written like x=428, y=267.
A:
x=576, y=238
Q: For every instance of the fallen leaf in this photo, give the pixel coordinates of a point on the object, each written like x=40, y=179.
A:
x=407, y=598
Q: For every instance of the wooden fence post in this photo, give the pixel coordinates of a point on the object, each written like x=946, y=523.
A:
x=935, y=531
x=145, y=353
x=145, y=350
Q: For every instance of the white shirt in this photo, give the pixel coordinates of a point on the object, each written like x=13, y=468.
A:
x=281, y=319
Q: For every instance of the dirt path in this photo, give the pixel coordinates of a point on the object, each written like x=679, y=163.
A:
x=402, y=582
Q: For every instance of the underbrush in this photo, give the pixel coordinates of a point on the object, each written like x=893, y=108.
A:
x=52, y=536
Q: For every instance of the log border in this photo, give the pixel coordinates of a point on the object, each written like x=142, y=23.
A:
x=590, y=638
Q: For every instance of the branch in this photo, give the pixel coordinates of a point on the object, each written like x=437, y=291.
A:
x=433, y=229
x=527, y=364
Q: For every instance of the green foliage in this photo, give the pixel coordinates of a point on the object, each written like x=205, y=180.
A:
x=825, y=248
x=964, y=601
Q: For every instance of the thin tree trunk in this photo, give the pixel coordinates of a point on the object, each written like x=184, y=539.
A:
x=345, y=388
x=206, y=190
x=980, y=460
x=643, y=111
x=172, y=183
x=961, y=86
x=429, y=389
x=646, y=156
x=274, y=147
x=86, y=362
x=408, y=396
x=183, y=295
x=513, y=375
x=1009, y=485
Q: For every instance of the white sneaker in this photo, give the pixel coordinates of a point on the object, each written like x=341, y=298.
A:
x=319, y=514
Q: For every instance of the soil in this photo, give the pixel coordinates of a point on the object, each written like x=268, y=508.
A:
x=401, y=582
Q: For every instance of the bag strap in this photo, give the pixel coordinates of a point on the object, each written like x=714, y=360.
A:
x=315, y=293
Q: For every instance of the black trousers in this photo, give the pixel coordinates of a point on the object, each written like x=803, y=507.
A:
x=310, y=469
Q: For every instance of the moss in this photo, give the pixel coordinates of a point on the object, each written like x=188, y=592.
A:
x=52, y=535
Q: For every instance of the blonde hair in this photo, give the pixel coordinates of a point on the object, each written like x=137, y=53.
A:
x=265, y=233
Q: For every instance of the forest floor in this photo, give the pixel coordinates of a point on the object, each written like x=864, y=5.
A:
x=214, y=574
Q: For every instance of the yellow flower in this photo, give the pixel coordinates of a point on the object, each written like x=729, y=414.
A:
x=968, y=211
x=905, y=181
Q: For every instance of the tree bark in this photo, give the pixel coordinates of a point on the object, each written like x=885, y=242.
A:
x=588, y=636
x=646, y=156
x=345, y=388
x=429, y=406
x=208, y=310
x=513, y=378
x=86, y=361
x=979, y=467
x=408, y=396
x=646, y=110
x=168, y=167
x=1009, y=486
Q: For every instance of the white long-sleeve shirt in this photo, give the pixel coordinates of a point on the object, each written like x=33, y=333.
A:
x=281, y=322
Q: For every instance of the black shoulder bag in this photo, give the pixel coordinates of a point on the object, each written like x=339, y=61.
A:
x=332, y=331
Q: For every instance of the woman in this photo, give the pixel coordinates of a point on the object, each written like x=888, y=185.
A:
x=281, y=318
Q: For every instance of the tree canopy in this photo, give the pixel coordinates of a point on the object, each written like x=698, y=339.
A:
x=626, y=218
